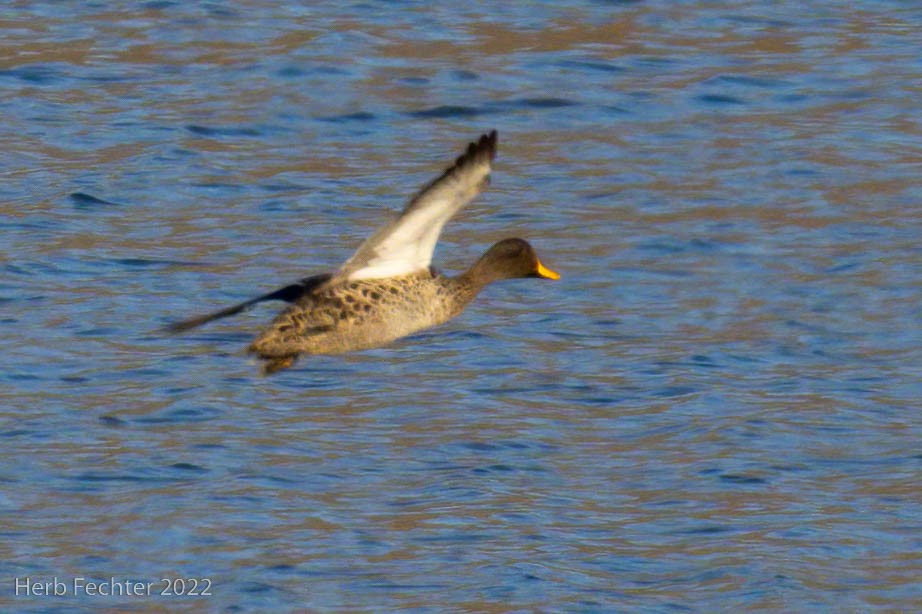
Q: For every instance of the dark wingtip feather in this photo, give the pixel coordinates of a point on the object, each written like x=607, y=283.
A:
x=486, y=144
x=490, y=140
x=289, y=294
x=181, y=327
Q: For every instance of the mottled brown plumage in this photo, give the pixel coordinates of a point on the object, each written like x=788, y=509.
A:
x=367, y=313
x=387, y=289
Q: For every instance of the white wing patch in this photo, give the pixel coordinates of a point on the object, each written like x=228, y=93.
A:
x=406, y=244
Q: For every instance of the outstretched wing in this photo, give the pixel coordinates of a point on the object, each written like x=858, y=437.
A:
x=406, y=244
x=290, y=294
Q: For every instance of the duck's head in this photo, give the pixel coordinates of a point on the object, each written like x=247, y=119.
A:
x=508, y=259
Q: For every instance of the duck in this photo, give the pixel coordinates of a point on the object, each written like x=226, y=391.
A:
x=388, y=289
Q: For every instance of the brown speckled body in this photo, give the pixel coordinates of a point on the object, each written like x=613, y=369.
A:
x=362, y=314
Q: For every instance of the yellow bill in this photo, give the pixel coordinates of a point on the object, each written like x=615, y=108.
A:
x=545, y=272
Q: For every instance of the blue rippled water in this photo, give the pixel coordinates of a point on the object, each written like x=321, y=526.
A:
x=715, y=409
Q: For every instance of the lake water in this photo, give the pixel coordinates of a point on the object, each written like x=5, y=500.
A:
x=717, y=408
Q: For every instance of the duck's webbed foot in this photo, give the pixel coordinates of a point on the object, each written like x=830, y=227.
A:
x=277, y=363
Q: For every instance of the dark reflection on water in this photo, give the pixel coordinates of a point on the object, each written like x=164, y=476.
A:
x=716, y=408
